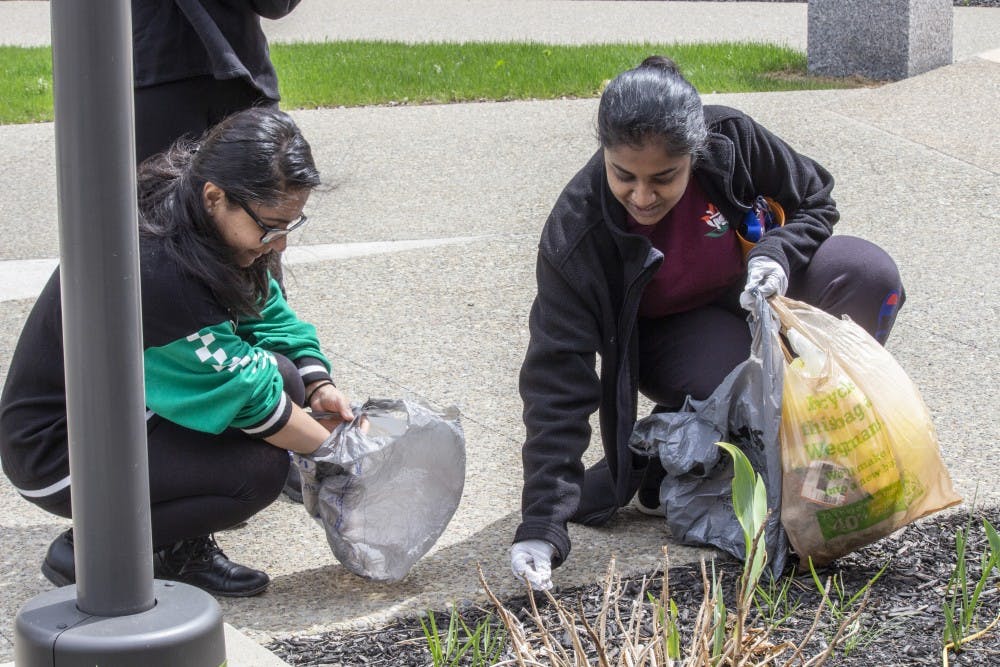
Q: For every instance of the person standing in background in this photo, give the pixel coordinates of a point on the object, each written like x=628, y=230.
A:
x=196, y=62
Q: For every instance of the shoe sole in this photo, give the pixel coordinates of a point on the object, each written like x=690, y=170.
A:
x=245, y=594
x=56, y=578
x=650, y=511
x=60, y=580
x=226, y=594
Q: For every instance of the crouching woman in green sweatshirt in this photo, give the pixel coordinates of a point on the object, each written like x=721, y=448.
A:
x=228, y=364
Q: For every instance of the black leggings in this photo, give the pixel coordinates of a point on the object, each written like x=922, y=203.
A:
x=692, y=352
x=200, y=483
x=168, y=111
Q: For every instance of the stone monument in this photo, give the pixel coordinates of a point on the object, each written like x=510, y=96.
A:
x=879, y=39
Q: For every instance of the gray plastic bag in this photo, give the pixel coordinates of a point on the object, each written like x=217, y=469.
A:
x=385, y=496
x=744, y=410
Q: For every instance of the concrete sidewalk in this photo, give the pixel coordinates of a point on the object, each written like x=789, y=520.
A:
x=445, y=319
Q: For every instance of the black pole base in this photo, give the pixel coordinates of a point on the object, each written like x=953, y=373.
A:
x=183, y=628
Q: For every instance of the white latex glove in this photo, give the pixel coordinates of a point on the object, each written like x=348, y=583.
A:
x=531, y=560
x=764, y=276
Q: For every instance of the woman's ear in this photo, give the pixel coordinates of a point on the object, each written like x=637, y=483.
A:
x=211, y=196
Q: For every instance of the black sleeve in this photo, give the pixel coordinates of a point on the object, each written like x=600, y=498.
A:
x=312, y=369
x=33, y=433
x=561, y=390
x=799, y=184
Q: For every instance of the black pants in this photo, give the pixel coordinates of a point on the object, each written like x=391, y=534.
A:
x=691, y=353
x=168, y=111
x=200, y=483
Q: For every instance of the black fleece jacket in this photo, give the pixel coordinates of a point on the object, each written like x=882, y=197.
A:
x=181, y=39
x=591, y=274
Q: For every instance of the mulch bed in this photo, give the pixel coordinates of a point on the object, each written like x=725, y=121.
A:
x=956, y=3
x=901, y=624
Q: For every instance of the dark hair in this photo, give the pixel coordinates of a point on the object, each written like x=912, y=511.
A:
x=258, y=155
x=652, y=102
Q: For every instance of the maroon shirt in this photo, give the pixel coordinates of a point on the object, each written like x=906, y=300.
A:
x=701, y=256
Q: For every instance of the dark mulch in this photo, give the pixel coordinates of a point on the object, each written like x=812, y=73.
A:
x=901, y=625
x=956, y=3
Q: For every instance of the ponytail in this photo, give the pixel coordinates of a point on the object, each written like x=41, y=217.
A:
x=256, y=155
x=652, y=102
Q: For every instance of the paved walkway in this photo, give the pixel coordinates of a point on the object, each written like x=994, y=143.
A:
x=418, y=271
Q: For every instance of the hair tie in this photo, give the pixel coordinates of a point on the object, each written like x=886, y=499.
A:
x=312, y=393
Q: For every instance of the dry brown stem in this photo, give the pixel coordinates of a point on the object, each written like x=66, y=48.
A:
x=747, y=644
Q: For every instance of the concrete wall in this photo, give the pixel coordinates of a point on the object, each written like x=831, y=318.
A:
x=879, y=39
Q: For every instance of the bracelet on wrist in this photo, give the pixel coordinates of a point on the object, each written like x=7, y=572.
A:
x=312, y=393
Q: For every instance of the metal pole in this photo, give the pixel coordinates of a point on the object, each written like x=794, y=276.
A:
x=116, y=615
x=95, y=158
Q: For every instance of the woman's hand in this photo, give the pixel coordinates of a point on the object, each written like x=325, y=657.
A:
x=765, y=277
x=305, y=433
x=327, y=399
x=531, y=560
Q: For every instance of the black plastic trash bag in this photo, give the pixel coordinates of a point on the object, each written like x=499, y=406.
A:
x=744, y=410
x=385, y=496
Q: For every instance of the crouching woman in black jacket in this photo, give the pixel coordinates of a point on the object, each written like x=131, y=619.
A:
x=640, y=262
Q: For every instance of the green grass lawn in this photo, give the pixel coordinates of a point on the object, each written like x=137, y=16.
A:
x=25, y=84
x=358, y=73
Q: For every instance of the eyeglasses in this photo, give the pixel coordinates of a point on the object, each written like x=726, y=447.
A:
x=271, y=233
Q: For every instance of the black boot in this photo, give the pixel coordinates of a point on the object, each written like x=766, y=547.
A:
x=200, y=562
x=59, y=565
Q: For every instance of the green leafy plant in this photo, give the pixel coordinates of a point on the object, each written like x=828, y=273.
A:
x=486, y=643
x=845, y=609
x=665, y=616
x=445, y=650
x=845, y=602
x=962, y=602
x=482, y=645
x=750, y=506
x=773, y=601
x=720, y=617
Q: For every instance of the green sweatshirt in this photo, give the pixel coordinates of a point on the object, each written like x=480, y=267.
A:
x=204, y=368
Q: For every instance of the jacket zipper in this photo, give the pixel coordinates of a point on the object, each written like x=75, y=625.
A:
x=628, y=317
